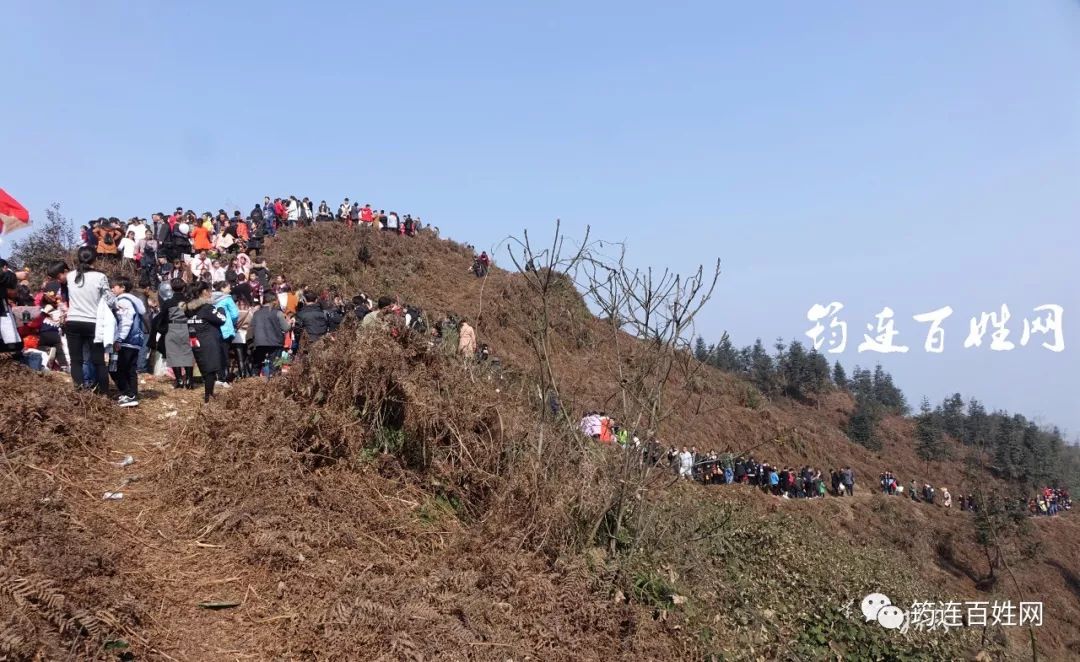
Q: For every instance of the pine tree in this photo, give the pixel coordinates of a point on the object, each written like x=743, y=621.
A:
x=952, y=416
x=793, y=371
x=976, y=425
x=886, y=393
x=862, y=426
x=818, y=367
x=701, y=351
x=726, y=357
x=929, y=440
x=862, y=384
x=839, y=377
x=762, y=369
x=1008, y=446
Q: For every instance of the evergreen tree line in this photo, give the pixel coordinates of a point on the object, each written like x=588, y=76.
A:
x=790, y=370
x=1019, y=448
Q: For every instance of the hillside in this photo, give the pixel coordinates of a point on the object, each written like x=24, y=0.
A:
x=384, y=501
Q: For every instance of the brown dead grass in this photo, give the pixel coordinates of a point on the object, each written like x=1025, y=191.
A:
x=464, y=542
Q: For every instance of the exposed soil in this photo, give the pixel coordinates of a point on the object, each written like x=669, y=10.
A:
x=277, y=504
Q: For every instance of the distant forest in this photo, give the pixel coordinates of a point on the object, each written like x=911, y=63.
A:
x=1014, y=447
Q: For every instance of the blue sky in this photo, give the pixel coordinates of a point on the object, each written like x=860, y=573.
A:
x=914, y=154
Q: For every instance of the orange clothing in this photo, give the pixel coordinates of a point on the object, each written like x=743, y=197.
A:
x=605, y=430
x=201, y=239
x=242, y=231
x=288, y=306
x=107, y=246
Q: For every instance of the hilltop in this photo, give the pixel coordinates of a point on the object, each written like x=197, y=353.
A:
x=388, y=501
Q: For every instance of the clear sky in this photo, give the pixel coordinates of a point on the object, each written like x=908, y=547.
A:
x=909, y=154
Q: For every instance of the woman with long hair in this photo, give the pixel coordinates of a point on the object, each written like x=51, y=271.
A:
x=87, y=287
x=204, y=331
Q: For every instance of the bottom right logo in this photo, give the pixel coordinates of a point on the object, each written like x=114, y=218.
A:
x=942, y=616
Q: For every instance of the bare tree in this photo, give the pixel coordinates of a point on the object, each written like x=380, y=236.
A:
x=543, y=271
x=651, y=323
x=51, y=241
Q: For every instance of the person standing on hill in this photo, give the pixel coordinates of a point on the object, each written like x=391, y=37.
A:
x=177, y=344
x=86, y=288
x=311, y=319
x=946, y=498
x=292, y=211
x=466, y=339
x=268, y=328
x=204, y=334
x=848, y=477
x=686, y=463
x=130, y=337
x=354, y=214
x=226, y=308
x=270, y=216
x=107, y=237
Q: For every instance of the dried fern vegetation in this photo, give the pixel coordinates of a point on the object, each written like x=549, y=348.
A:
x=387, y=500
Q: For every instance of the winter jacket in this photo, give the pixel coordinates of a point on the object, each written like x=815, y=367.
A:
x=312, y=318
x=177, y=343
x=107, y=240
x=83, y=299
x=225, y=304
x=201, y=236
x=129, y=329
x=203, y=323
x=105, y=325
x=467, y=340
x=269, y=326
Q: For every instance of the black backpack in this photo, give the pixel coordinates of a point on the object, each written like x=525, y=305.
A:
x=108, y=238
x=416, y=319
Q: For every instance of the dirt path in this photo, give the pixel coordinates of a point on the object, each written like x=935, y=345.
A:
x=185, y=571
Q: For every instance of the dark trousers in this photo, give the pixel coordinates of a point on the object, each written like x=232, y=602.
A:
x=51, y=338
x=209, y=379
x=126, y=375
x=262, y=353
x=242, y=359
x=80, y=335
x=223, y=374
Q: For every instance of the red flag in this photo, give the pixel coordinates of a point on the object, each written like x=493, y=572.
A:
x=12, y=215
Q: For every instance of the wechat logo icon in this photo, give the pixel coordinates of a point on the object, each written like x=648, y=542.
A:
x=878, y=607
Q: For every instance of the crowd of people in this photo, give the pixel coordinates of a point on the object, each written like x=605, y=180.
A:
x=806, y=482
x=192, y=297
x=1050, y=501
x=194, y=292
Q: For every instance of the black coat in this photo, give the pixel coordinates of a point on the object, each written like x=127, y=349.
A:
x=204, y=324
x=312, y=319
